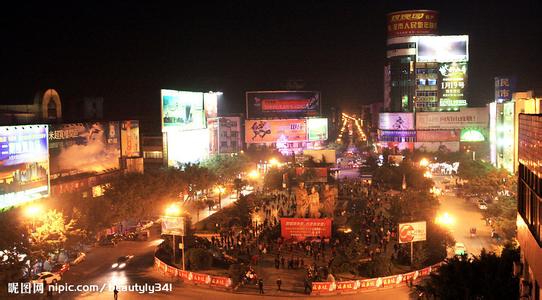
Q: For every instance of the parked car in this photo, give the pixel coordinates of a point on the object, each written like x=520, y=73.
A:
x=107, y=242
x=80, y=256
x=459, y=249
x=50, y=278
x=60, y=268
x=482, y=205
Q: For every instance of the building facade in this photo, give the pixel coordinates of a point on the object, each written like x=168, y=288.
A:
x=529, y=219
x=226, y=135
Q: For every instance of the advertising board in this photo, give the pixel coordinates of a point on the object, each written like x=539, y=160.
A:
x=184, y=146
x=453, y=82
x=173, y=225
x=451, y=135
x=396, y=121
x=273, y=131
x=24, y=164
x=285, y=104
x=317, y=129
x=300, y=228
x=210, y=103
x=328, y=156
x=129, y=137
x=83, y=148
x=182, y=109
x=412, y=22
x=504, y=88
x=446, y=48
x=412, y=232
x=437, y=146
x=472, y=135
x=466, y=117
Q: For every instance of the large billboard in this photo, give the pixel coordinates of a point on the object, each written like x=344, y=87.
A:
x=412, y=232
x=129, y=137
x=24, y=164
x=437, y=146
x=412, y=22
x=300, y=229
x=183, y=109
x=396, y=121
x=474, y=117
x=446, y=48
x=275, y=131
x=77, y=148
x=187, y=146
x=317, y=129
x=451, y=135
x=453, y=82
x=285, y=104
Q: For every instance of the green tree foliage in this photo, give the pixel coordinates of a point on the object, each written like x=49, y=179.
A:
x=487, y=276
x=199, y=259
x=470, y=169
x=50, y=232
x=392, y=176
x=226, y=167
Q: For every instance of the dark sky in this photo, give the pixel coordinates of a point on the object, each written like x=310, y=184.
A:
x=126, y=52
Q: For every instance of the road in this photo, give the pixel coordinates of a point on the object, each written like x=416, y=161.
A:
x=466, y=215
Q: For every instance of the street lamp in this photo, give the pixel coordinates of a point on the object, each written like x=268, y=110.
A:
x=173, y=211
x=219, y=189
x=273, y=162
x=254, y=174
x=32, y=212
x=445, y=219
x=424, y=162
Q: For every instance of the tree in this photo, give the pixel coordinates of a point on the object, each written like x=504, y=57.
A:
x=226, y=167
x=487, y=276
x=15, y=253
x=469, y=169
x=273, y=179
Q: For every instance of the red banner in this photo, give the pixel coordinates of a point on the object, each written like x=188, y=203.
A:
x=322, y=288
x=367, y=284
x=220, y=281
x=301, y=229
x=347, y=286
x=285, y=104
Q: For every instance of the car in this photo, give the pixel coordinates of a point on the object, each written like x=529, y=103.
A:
x=60, y=268
x=482, y=205
x=80, y=256
x=459, y=249
x=48, y=277
x=122, y=262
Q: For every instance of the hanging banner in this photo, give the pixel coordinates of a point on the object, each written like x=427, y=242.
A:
x=300, y=229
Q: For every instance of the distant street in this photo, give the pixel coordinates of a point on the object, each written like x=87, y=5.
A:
x=467, y=215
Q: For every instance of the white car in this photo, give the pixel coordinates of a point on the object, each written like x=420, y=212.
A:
x=482, y=205
x=50, y=278
x=80, y=257
x=459, y=249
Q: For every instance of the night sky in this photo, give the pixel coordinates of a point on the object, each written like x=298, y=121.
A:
x=126, y=52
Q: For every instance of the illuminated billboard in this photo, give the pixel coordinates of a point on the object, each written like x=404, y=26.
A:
x=453, y=81
x=84, y=148
x=447, y=48
x=451, y=135
x=396, y=121
x=129, y=137
x=504, y=88
x=317, y=129
x=275, y=131
x=412, y=22
x=187, y=146
x=283, y=104
x=24, y=164
x=210, y=103
x=182, y=109
x=477, y=117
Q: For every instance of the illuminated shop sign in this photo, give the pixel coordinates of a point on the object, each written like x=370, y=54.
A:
x=396, y=121
x=283, y=104
x=317, y=129
x=452, y=78
x=275, y=131
x=449, y=48
x=412, y=22
x=472, y=135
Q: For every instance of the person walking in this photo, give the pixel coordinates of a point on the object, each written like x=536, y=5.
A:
x=260, y=285
x=115, y=293
x=279, y=283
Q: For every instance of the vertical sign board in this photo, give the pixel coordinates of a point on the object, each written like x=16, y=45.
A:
x=24, y=164
x=317, y=129
x=412, y=232
x=453, y=83
x=129, y=136
x=504, y=88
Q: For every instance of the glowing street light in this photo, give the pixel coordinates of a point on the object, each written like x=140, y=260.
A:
x=424, y=162
x=273, y=162
x=427, y=174
x=33, y=211
x=219, y=190
x=254, y=174
x=445, y=219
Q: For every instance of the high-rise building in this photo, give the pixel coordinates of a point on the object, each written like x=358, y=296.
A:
x=529, y=219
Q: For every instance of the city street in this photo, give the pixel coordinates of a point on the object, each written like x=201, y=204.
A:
x=466, y=215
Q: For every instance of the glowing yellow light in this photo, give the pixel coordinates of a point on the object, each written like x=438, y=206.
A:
x=445, y=219
x=254, y=174
x=219, y=189
x=33, y=211
x=273, y=162
x=427, y=174
x=424, y=162
x=173, y=210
